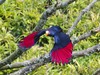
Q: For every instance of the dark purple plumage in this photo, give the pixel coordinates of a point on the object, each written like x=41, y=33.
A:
x=62, y=50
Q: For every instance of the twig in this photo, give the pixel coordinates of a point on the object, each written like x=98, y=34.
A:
x=87, y=52
x=26, y=63
x=85, y=35
x=11, y=58
x=46, y=59
x=80, y=16
x=37, y=63
x=97, y=72
x=49, y=11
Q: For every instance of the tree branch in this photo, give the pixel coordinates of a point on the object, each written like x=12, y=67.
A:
x=11, y=58
x=27, y=62
x=97, y=72
x=46, y=59
x=87, y=52
x=85, y=35
x=49, y=12
x=80, y=15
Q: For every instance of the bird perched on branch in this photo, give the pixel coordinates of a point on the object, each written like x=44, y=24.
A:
x=30, y=40
x=62, y=49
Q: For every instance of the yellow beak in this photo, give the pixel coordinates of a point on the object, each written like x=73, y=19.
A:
x=47, y=33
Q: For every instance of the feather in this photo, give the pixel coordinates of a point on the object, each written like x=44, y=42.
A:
x=64, y=54
x=28, y=41
x=31, y=39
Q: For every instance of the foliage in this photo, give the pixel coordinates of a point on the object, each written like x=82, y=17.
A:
x=19, y=17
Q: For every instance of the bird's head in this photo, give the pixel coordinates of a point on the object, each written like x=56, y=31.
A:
x=53, y=30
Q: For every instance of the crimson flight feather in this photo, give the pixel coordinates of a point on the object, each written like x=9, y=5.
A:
x=31, y=39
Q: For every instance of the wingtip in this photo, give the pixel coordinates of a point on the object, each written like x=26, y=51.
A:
x=28, y=41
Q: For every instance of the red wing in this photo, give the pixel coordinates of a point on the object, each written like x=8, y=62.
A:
x=62, y=55
x=28, y=41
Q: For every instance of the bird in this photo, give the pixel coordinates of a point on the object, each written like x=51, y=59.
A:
x=62, y=49
x=30, y=40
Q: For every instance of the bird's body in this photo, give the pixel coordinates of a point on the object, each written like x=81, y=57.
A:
x=62, y=49
x=61, y=40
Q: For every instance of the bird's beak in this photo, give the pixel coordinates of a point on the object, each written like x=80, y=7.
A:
x=47, y=33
